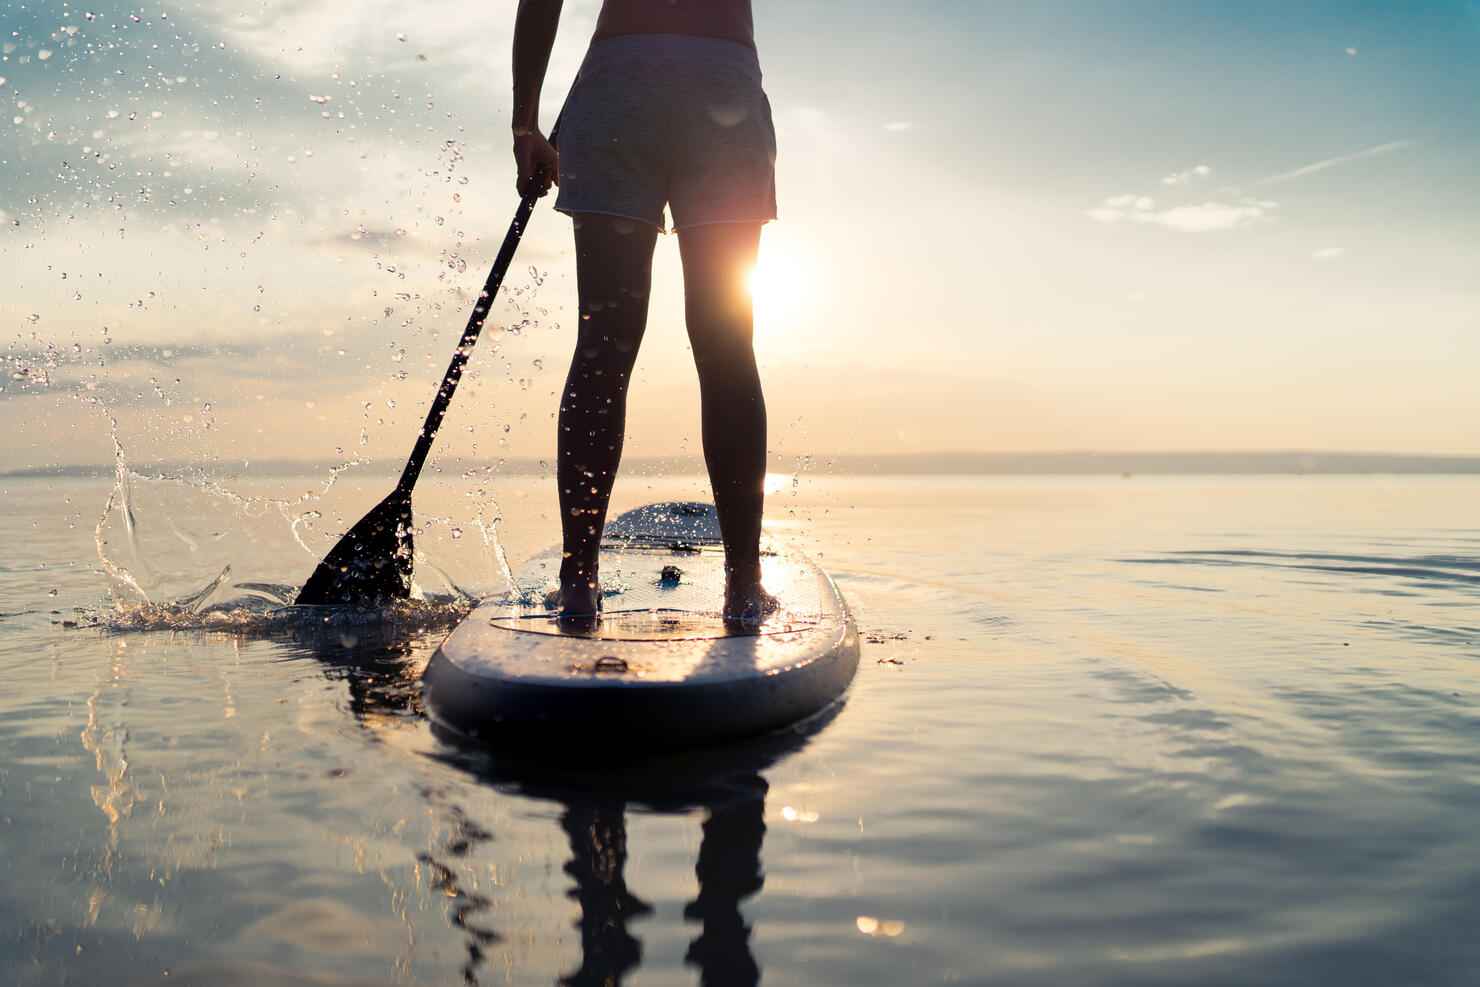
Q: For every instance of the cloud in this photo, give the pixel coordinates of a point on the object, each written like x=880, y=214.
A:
x=130, y=373
x=395, y=43
x=1209, y=216
x=1328, y=253
x=898, y=125
x=1193, y=218
x=1186, y=217
x=1311, y=169
x=1187, y=177
x=1351, y=51
x=1119, y=207
x=316, y=36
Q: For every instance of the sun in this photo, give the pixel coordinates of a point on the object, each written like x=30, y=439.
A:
x=781, y=286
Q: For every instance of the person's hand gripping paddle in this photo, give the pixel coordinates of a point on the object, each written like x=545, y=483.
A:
x=372, y=562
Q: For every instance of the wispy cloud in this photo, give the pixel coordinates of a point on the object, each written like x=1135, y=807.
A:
x=1311, y=169
x=1185, y=217
x=1210, y=216
x=1203, y=217
x=1180, y=178
x=315, y=36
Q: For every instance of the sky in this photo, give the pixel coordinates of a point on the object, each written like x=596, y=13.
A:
x=237, y=232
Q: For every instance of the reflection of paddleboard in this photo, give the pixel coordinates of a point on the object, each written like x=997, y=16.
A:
x=660, y=667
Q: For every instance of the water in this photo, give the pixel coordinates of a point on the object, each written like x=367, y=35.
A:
x=1151, y=730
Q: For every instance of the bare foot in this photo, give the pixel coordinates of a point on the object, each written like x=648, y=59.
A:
x=748, y=600
x=581, y=600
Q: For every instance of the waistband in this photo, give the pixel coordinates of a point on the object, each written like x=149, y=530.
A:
x=702, y=51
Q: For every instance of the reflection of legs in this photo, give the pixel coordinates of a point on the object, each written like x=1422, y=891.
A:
x=716, y=261
x=614, y=260
x=598, y=847
x=729, y=869
x=466, y=905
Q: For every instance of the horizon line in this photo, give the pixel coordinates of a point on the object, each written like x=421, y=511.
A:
x=959, y=462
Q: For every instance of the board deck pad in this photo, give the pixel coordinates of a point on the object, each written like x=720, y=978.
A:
x=653, y=592
x=660, y=660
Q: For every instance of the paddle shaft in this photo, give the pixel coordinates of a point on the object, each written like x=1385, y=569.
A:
x=465, y=346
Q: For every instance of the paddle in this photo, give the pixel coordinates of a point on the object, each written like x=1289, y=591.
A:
x=372, y=562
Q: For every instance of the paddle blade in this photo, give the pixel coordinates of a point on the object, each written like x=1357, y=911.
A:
x=370, y=564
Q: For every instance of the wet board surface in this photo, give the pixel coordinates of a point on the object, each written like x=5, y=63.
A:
x=660, y=667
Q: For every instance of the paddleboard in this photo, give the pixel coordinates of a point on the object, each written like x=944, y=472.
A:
x=659, y=667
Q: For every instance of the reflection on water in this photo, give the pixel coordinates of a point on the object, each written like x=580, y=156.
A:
x=160, y=548
x=598, y=861
x=729, y=870
x=104, y=737
x=724, y=785
x=466, y=910
x=1200, y=730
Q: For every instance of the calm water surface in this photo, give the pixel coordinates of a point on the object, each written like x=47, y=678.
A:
x=1153, y=730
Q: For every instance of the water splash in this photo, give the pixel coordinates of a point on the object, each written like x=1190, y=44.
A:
x=193, y=554
x=323, y=624
x=120, y=583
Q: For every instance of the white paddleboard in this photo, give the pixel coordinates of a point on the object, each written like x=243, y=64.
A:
x=660, y=667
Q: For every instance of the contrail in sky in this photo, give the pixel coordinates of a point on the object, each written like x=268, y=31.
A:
x=1311, y=169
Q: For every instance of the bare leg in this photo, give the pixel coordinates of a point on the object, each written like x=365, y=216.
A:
x=716, y=261
x=614, y=261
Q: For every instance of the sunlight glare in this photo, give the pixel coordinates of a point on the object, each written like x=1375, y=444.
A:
x=780, y=286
